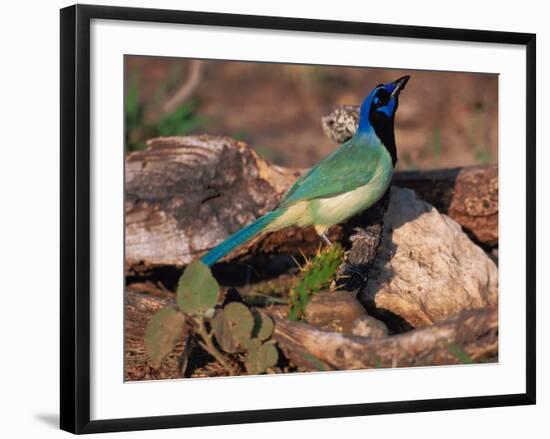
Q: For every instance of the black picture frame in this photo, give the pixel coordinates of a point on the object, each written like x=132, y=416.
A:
x=75, y=217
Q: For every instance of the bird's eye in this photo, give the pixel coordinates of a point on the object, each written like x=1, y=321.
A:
x=382, y=98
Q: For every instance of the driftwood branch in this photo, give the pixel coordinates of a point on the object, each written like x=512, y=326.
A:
x=468, y=335
x=184, y=195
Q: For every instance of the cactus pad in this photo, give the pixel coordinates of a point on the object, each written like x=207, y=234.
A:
x=163, y=332
x=263, y=326
x=197, y=290
x=315, y=275
x=233, y=327
x=261, y=356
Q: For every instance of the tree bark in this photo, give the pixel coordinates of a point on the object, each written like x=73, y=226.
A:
x=470, y=336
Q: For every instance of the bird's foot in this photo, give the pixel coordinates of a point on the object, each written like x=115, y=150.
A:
x=325, y=238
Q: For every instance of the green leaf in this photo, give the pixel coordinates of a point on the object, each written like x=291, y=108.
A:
x=197, y=289
x=261, y=357
x=163, y=332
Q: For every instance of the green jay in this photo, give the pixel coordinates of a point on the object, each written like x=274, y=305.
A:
x=351, y=179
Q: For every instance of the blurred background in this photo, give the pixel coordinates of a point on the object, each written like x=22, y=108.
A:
x=444, y=119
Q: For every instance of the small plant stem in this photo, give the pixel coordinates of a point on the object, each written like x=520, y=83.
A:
x=208, y=345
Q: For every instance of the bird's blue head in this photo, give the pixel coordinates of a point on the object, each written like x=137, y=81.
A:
x=378, y=112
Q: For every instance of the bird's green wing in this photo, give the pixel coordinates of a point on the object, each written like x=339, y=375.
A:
x=349, y=167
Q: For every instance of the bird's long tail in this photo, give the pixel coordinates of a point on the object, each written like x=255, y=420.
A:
x=240, y=237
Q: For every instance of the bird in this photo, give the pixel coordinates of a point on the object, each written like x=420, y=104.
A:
x=348, y=181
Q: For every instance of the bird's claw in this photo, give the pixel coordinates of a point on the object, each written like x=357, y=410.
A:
x=325, y=238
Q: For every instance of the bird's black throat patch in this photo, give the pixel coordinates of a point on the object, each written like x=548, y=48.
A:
x=383, y=127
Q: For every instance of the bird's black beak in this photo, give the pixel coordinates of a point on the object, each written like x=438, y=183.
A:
x=400, y=85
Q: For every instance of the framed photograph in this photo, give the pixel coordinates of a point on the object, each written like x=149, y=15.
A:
x=274, y=218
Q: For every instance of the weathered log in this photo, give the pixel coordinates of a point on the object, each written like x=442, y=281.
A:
x=184, y=195
x=469, y=336
x=473, y=333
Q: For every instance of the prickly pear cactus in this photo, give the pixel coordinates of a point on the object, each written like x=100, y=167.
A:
x=163, y=332
x=315, y=275
x=261, y=356
x=197, y=295
x=263, y=326
x=197, y=291
x=240, y=330
x=236, y=328
x=233, y=327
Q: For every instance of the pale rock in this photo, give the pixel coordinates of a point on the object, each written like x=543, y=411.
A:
x=427, y=268
x=334, y=311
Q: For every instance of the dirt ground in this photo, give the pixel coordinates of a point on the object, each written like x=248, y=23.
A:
x=445, y=119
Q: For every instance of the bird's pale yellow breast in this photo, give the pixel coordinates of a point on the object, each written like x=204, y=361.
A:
x=334, y=210
x=329, y=211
